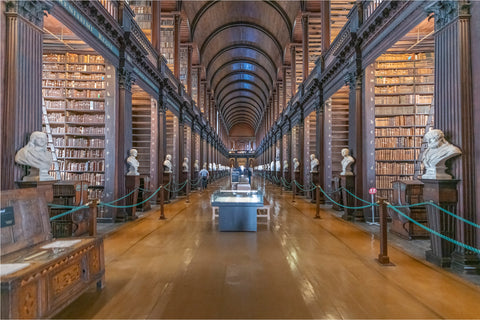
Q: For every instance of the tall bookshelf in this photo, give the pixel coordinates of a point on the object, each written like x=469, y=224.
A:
x=74, y=91
x=340, y=126
x=404, y=85
x=141, y=129
x=143, y=15
x=166, y=34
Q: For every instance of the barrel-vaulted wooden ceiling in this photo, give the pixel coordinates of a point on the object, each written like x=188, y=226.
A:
x=242, y=46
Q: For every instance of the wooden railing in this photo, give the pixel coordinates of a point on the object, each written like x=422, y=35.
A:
x=112, y=7
x=369, y=7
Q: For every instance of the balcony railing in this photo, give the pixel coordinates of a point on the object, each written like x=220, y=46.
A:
x=369, y=7
x=112, y=7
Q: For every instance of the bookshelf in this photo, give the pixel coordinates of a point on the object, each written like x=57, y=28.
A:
x=73, y=87
x=141, y=129
x=339, y=117
x=166, y=34
x=338, y=16
x=143, y=15
x=404, y=85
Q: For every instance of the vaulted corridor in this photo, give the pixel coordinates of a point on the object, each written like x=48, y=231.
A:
x=293, y=267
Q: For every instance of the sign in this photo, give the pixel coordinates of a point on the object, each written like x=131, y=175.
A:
x=372, y=190
x=7, y=217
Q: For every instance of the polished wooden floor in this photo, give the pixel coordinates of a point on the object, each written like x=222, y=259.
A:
x=293, y=267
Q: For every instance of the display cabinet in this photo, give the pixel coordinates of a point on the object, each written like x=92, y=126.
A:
x=237, y=210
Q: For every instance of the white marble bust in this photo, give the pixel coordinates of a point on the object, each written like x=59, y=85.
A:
x=285, y=165
x=185, y=165
x=347, y=162
x=313, y=163
x=196, y=165
x=437, y=153
x=36, y=155
x=272, y=166
x=296, y=165
x=133, y=163
x=167, y=164
x=210, y=167
x=214, y=166
x=278, y=164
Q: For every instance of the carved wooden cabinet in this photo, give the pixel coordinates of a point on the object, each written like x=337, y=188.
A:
x=40, y=276
x=407, y=192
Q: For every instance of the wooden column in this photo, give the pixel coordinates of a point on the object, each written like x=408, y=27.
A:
x=454, y=115
x=325, y=12
x=22, y=112
x=284, y=91
x=189, y=69
x=181, y=146
x=319, y=145
x=193, y=147
x=156, y=26
x=305, y=47
x=293, y=71
x=176, y=45
x=289, y=151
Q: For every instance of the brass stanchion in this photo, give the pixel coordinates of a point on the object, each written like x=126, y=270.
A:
x=383, y=256
x=162, y=199
x=317, y=198
x=294, y=188
x=93, y=211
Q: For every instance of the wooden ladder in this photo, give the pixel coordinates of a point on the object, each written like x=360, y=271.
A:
x=50, y=144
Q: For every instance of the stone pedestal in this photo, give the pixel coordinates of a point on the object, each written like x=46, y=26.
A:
x=315, y=178
x=348, y=183
x=444, y=193
x=131, y=183
x=337, y=196
x=144, y=194
x=196, y=177
x=287, y=178
x=183, y=177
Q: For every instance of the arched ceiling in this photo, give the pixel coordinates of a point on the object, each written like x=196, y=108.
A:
x=241, y=45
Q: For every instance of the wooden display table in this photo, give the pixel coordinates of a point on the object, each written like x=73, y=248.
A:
x=40, y=276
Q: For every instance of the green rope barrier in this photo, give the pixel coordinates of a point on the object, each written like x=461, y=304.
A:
x=68, y=212
x=130, y=193
x=433, y=204
x=305, y=190
x=341, y=205
x=183, y=186
x=133, y=205
x=466, y=246
x=355, y=196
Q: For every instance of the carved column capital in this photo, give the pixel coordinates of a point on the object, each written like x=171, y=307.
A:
x=126, y=79
x=446, y=11
x=31, y=10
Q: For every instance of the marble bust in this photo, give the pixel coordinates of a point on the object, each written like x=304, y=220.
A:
x=210, y=167
x=185, y=164
x=133, y=163
x=36, y=155
x=167, y=164
x=347, y=162
x=437, y=153
x=296, y=165
x=278, y=164
x=313, y=163
x=196, y=165
x=285, y=165
x=272, y=166
x=214, y=166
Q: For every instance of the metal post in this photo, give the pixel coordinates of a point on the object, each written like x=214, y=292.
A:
x=162, y=199
x=294, y=188
x=317, y=198
x=383, y=256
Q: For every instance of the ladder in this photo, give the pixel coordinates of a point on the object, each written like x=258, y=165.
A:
x=50, y=144
x=419, y=161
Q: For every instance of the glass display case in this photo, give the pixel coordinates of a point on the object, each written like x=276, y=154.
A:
x=237, y=197
x=237, y=210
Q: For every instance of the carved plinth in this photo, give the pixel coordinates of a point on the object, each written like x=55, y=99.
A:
x=348, y=183
x=315, y=178
x=196, y=177
x=167, y=177
x=44, y=187
x=131, y=183
x=287, y=179
x=298, y=179
x=337, y=196
x=183, y=177
x=407, y=192
x=144, y=193
x=444, y=193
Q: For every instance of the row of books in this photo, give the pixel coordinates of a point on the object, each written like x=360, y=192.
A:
x=403, y=120
x=93, y=165
x=397, y=154
x=404, y=99
x=94, y=179
x=394, y=168
x=80, y=153
x=398, y=142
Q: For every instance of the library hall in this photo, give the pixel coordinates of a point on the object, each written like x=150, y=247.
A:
x=240, y=159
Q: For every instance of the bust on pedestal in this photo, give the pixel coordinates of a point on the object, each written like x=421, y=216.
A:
x=440, y=188
x=36, y=155
x=167, y=175
x=347, y=181
x=315, y=177
x=296, y=172
x=133, y=163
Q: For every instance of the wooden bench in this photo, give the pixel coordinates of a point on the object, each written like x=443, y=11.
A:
x=266, y=207
x=40, y=275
